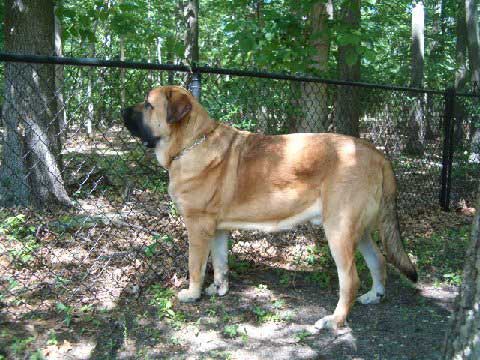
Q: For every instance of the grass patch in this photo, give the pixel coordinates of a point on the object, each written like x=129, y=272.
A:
x=441, y=254
x=21, y=243
x=162, y=299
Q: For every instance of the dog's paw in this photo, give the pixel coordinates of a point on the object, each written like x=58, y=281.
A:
x=215, y=289
x=187, y=295
x=329, y=322
x=371, y=297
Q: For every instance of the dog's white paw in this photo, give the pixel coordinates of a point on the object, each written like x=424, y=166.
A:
x=215, y=289
x=371, y=297
x=328, y=322
x=187, y=295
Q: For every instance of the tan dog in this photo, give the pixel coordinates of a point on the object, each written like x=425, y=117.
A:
x=222, y=179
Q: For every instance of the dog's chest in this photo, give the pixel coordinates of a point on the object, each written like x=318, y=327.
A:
x=161, y=152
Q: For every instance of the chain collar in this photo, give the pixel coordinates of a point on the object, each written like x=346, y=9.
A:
x=197, y=142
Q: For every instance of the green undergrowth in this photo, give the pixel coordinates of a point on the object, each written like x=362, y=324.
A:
x=441, y=255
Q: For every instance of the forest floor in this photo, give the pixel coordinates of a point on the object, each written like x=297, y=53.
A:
x=106, y=290
x=98, y=281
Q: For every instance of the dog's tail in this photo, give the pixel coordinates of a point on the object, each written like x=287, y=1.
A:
x=389, y=226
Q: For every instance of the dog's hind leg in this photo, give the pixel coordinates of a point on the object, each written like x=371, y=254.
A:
x=201, y=230
x=341, y=240
x=219, y=253
x=376, y=264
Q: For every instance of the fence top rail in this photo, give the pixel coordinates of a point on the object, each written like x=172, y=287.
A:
x=92, y=62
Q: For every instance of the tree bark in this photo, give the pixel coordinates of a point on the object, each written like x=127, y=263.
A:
x=463, y=338
x=435, y=47
x=416, y=125
x=59, y=84
x=122, y=73
x=91, y=79
x=191, y=44
x=347, y=115
x=471, y=18
x=314, y=99
x=461, y=73
x=30, y=172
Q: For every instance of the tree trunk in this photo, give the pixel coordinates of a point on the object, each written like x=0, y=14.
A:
x=59, y=84
x=416, y=124
x=191, y=45
x=435, y=47
x=91, y=79
x=461, y=69
x=159, y=61
x=471, y=18
x=463, y=337
x=314, y=99
x=30, y=172
x=430, y=134
x=347, y=115
x=122, y=72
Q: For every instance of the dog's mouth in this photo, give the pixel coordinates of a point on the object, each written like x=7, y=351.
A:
x=151, y=142
x=133, y=121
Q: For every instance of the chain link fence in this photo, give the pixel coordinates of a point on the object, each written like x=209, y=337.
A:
x=88, y=264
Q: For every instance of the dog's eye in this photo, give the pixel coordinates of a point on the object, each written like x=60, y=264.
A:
x=148, y=106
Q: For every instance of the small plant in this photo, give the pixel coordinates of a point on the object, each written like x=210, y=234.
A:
x=211, y=312
x=262, y=287
x=175, y=341
x=287, y=315
x=231, y=331
x=67, y=312
x=223, y=355
x=301, y=336
x=173, y=210
x=20, y=345
x=61, y=281
x=321, y=278
x=263, y=315
x=244, y=336
x=52, y=338
x=14, y=227
x=453, y=278
x=313, y=253
x=277, y=304
x=22, y=238
x=286, y=279
x=162, y=300
x=442, y=254
x=239, y=266
x=152, y=249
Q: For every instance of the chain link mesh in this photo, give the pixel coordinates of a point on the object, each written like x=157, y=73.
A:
x=123, y=233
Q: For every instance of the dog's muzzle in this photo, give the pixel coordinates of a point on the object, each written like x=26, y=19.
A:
x=133, y=121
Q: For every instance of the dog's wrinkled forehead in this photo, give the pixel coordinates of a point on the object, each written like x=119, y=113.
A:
x=154, y=95
x=167, y=92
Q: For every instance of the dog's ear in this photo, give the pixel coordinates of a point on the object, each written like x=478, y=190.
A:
x=178, y=107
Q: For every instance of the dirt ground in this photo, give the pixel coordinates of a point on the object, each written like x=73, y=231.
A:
x=409, y=324
x=99, y=282
x=124, y=306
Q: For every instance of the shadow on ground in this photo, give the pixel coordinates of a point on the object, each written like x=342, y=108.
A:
x=262, y=318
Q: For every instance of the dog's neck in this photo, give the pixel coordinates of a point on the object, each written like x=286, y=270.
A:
x=185, y=138
x=200, y=140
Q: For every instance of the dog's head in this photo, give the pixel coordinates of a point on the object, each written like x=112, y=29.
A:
x=164, y=109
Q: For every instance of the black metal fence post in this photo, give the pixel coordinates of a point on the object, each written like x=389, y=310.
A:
x=195, y=85
x=448, y=147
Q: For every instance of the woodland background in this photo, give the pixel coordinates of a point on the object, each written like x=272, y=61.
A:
x=92, y=250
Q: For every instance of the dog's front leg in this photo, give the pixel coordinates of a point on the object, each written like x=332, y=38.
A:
x=200, y=233
x=220, y=264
